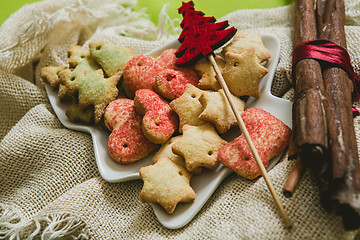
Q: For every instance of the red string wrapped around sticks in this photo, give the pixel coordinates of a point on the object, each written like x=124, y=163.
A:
x=327, y=52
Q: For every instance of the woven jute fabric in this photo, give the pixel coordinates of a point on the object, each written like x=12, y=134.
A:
x=50, y=187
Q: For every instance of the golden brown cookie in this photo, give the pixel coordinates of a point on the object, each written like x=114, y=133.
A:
x=50, y=75
x=243, y=41
x=199, y=146
x=217, y=110
x=207, y=73
x=166, y=151
x=81, y=59
x=167, y=184
x=242, y=73
x=76, y=113
x=188, y=107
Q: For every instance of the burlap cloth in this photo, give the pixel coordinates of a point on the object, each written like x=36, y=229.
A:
x=50, y=185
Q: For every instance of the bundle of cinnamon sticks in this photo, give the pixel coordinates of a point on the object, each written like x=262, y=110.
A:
x=323, y=129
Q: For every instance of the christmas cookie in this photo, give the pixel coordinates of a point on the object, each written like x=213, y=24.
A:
x=166, y=183
x=243, y=41
x=208, y=78
x=242, y=73
x=167, y=59
x=84, y=81
x=92, y=89
x=188, y=107
x=81, y=60
x=50, y=75
x=159, y=121
x=199, y=146
x=170, y=83
x=112, y=58
x=270, y=137
x=126, y=143
x=166, y=151
x=217, y=110
x=77, y=113
x=140, y=73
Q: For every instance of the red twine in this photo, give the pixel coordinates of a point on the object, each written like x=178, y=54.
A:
x=328, y=52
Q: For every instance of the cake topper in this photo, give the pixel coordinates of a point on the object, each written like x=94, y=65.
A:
x=200, y=36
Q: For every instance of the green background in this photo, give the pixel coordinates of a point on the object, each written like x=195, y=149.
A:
x=214, y=8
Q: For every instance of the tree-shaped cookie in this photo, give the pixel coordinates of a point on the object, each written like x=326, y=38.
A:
x=201, y=35
x=111, y=57
x=92, y=89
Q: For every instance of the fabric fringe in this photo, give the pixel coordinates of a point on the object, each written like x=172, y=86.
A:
x=56, y=226
x=91, y=14
x=166, y=25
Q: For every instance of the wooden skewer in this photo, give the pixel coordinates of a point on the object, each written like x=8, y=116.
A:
x=243, y=129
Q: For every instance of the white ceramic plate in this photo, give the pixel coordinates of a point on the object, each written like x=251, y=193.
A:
x=203, y=185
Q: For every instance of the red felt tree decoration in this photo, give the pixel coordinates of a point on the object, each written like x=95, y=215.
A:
x=201, y=35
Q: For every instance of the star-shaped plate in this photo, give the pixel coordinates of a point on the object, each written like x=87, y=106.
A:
x=206, y=183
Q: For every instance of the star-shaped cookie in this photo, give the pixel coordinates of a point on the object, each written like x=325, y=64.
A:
x=166, y=151
x=199, y=146
x=242, y=73
x=243, y=41
x=208, y=75
x=188, y=107
x=167, y=184
x=218, y=111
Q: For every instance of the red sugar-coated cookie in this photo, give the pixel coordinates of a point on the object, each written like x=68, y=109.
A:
x=170, y=83
x=159, y=120
x=270, y=137
x=167, y=59
x=126, y=143
x=140, y=72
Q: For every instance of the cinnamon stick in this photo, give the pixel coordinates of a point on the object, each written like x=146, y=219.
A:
x=309, y=140
x=340, y=175
x=294, y=178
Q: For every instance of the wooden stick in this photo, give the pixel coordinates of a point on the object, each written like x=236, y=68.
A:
x=294, y=178
x=243, y=129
